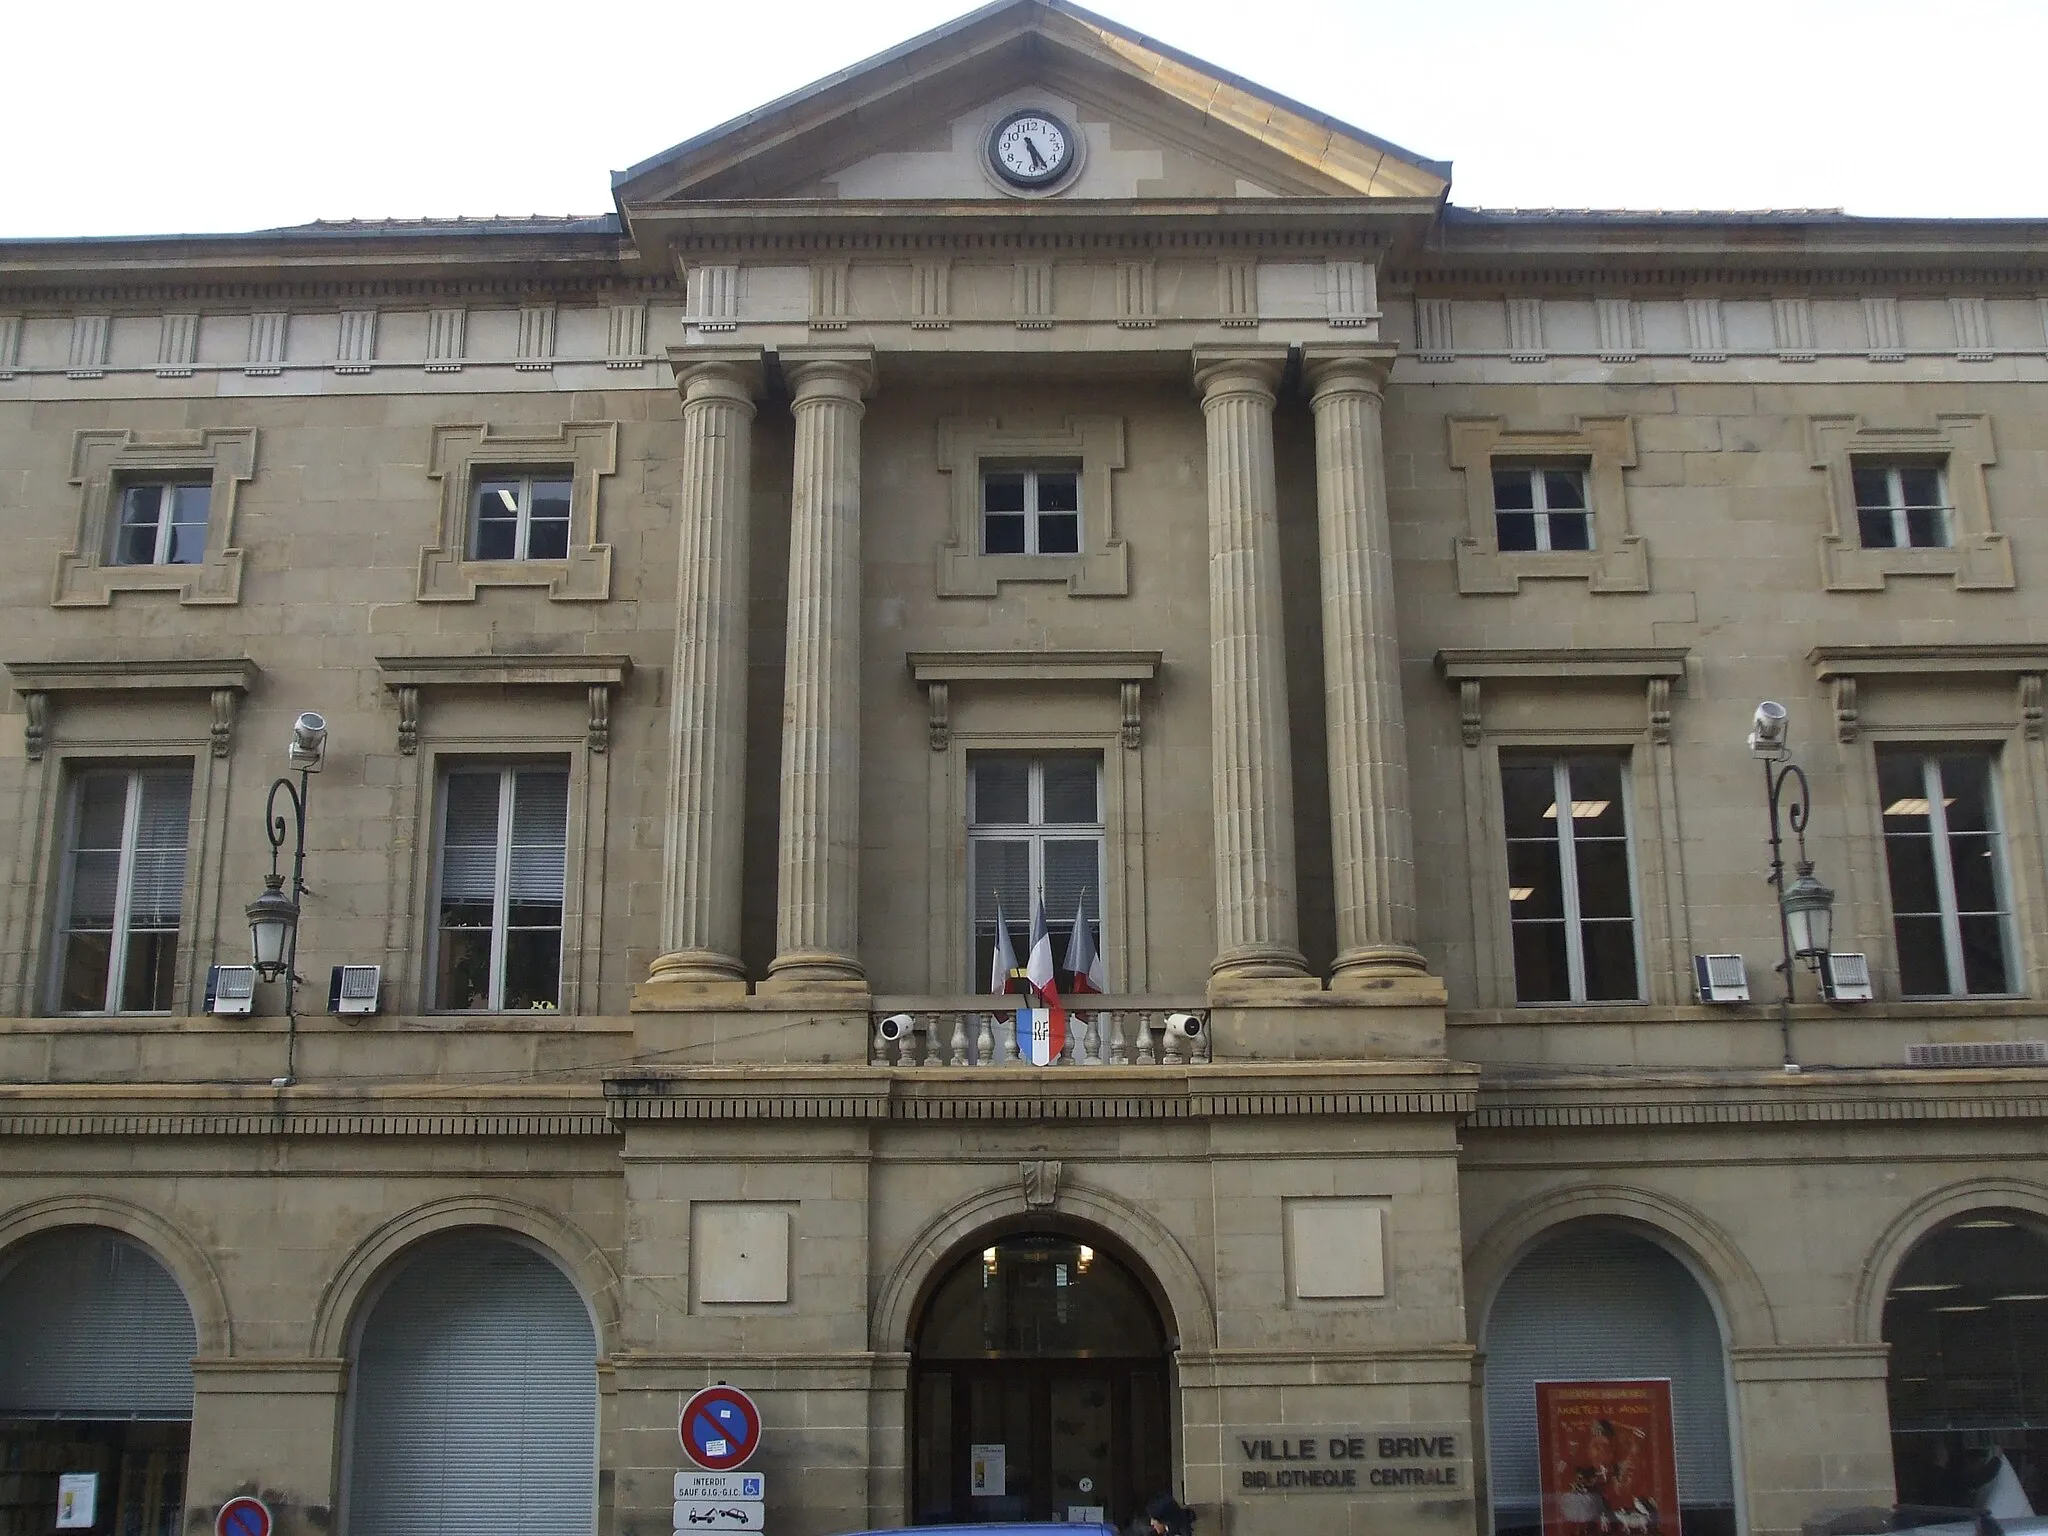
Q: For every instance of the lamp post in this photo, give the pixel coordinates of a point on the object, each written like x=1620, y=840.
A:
x=1805, y=907
x=274, y=916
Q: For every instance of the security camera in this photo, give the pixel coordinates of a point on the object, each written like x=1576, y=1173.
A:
x=1769, y=731
x=1187, y=1025
x=896, y=1026
x=309, y=742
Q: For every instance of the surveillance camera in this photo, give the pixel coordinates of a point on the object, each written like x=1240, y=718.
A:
x=896, y=1026
x=1770, y=730
x=1187, y=1025
x=309, y=742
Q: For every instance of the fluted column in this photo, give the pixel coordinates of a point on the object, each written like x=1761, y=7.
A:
x=818, y=867
x=700, y=910
x=1373, y=848
x=1251, y=770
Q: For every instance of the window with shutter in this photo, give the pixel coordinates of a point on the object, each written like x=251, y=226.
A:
x=123, y=890
x=503, y=857
x=1035, y=827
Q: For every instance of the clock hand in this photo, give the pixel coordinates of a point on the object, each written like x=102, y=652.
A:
x=1037, y=160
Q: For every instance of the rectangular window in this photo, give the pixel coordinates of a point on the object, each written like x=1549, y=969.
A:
x=520, y=517
x=1571, y=879
x=1902, y=503
x=1950, y=910
x=1031, y=511
x=1541, y=507
x=162, y=524
x=123, y=888
x=1035, y=825
x=503, y=854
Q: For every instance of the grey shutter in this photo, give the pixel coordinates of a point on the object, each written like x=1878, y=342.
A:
x=469, y=838
x=540, y=821
x=157, y=890
x=1593, y=1305
x=93, y=1327
x=475, y=1400
x=1073, y=866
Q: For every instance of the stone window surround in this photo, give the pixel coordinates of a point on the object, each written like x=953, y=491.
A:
x=1117, y=679
x=98, y=730
x=1663, y=932
x=2006, y=719
x=1096, y=443
x=1602, y=446
x=1979, y=558
x=532, y=734
x=104, y=463
x=464, y=453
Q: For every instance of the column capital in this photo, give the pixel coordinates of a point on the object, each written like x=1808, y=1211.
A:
x=1334, y=368
x=1253, y=370
x=714, y=373
x=845, y=373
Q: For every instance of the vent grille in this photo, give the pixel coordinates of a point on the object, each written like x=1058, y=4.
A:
x=1721, y=978
x=1978, y=1053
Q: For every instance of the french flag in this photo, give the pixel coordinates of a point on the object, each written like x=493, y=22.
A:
x=1083, y=964
x=1042, y=1029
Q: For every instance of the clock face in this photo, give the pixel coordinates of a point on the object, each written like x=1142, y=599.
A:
x=1031, y=148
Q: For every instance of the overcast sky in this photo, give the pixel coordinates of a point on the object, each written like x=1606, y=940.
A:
x=136, y=118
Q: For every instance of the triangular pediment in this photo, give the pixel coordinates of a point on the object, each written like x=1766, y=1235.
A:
x=912, y=124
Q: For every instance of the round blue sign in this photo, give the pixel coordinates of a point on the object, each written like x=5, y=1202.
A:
x=720, y=1428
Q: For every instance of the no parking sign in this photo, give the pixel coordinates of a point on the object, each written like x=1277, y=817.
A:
x=243, y=1516
x=720, y=1428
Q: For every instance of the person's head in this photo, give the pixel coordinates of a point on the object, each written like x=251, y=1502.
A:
x=1168, y=1517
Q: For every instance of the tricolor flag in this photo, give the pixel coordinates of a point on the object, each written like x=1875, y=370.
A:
x=1041, y=1027
x=1003, y=968
x=1083, y=964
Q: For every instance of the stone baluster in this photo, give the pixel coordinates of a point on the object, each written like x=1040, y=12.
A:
x=818, y=863
x=985, y=1042
x=700, y=921
x=1251, y=772
x=1373, y=851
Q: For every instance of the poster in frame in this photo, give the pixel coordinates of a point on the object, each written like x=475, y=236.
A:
x=1609, y=1462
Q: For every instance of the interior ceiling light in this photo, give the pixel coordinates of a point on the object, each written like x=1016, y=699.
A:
x=1983, y=1224
x=1901, y=1290
x=1915, y=806
x=1582, y=810
x=2022, y=1296
x=1521, y=892
x=1965, y=1306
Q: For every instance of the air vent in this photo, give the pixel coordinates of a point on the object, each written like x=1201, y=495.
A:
x=230, y=988
x=1721, y=978
x=353, y=989
x=1978, y=1053
x=1845, y=978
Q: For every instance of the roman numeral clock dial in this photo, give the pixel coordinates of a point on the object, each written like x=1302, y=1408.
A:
x=1031, y=149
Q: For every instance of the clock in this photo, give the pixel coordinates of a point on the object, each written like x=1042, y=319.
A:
x=1031, y=148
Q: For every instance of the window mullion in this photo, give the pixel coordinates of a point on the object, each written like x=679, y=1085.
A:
x=1568, y=872
x=1031, y=511
x=501, y=889
x=124, y=892
x=1944, y=874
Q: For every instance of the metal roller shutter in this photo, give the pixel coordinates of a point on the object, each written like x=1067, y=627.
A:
x=475, y=1399
x=93, y=1327
x=1595, y=1305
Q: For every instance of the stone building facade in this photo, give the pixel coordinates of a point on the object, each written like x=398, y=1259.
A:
x=1032, y=466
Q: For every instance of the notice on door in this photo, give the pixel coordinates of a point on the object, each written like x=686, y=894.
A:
x=1608, y=1458
x=1350, y=1460
x=988, y=1471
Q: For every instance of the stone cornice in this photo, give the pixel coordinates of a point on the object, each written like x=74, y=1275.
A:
x=1833, y=661
x=1759, y=1099
x=1033, y=666
x=505, y=671
x=1586, y=661
x=236, y=674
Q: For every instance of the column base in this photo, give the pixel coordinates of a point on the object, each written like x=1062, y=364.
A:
x=1259, y=971
x=1391, y=974
x=814, y=970
x=686, y=976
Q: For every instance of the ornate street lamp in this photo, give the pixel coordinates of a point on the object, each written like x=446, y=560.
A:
x=1806, y=919
x=274, y=916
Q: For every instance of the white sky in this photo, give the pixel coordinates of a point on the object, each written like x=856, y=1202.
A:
x=130, y=118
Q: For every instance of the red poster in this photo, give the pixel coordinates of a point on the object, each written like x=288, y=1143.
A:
x=1609, y=1466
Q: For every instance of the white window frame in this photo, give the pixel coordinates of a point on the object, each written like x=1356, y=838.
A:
x=173, y=491
x=1032, y=511
x=1539, y=505
x=1898, y=507
x=124, y=888
x=1568, y=873
x=525, y=479
x=1944, y=870
x=1037, y=832
x=501, y=879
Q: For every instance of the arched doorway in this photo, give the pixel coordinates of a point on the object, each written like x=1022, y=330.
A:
x=1039, y=1386
x=1594, y=1303
x=96, y=1347
x=474, y=1396
x=1967, y=1321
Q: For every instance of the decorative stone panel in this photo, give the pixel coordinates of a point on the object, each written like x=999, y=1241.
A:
x=463, y=454
x=1101, y=569
x=1979, y=558
x=1602, y=446
x=104, y=463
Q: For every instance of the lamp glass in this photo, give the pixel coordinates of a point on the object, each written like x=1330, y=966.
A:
x=272, y=918
x=1809, y=914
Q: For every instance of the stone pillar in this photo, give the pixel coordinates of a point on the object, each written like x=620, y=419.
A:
x=1373, y=846
x=1251, y=770
x=700, y=908
x=818, y=863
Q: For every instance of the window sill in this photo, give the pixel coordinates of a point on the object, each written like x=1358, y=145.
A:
x=584, y=577
x=1758, y=1010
